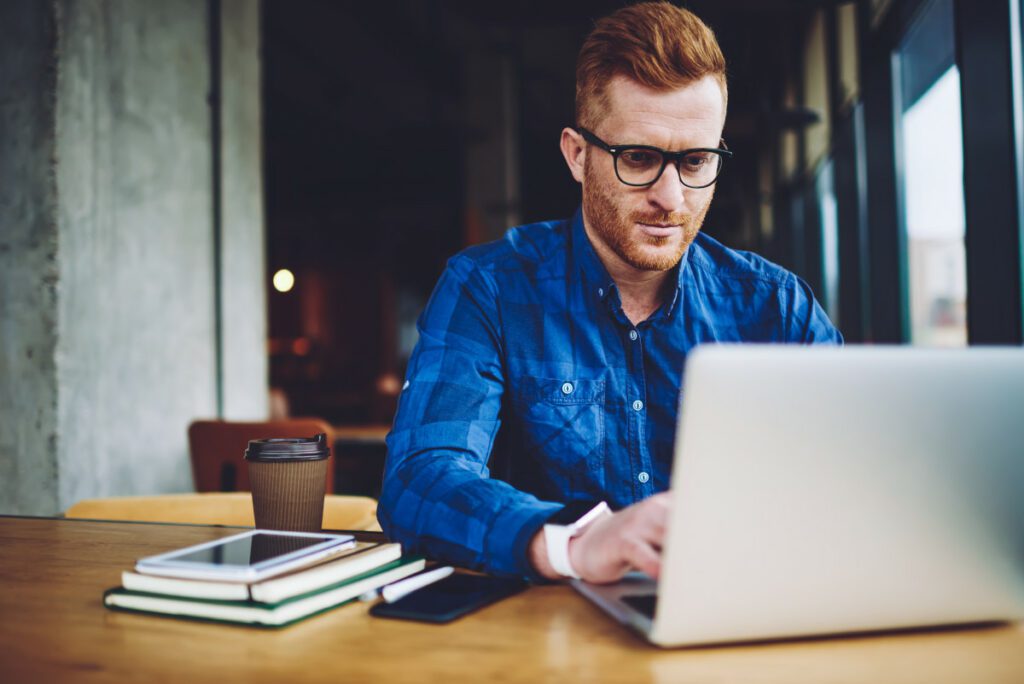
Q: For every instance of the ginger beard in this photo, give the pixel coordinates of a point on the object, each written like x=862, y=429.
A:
x=615, y=225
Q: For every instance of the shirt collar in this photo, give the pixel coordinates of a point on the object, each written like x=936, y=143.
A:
x=595, y=278
x=680, y=268
x=594, y=275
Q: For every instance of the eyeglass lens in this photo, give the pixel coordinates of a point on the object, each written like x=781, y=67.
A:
x=641, y=167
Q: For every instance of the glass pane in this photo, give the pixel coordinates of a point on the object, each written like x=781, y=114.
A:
x=829, y=213
x=932, y=181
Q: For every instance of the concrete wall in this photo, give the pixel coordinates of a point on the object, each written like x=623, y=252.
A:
x=28, y=259
x=243, y=259
x=127, y=340
x=136, y=310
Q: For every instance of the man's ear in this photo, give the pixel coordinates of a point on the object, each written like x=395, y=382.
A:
x=574, y=150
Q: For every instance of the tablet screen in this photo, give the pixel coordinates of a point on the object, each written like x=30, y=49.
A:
x=249, y=550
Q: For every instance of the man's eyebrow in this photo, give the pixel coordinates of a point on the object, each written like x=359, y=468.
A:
x=622, y=146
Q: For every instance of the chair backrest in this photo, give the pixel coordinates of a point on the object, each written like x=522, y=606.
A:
x=217, y=449
x=234, y=508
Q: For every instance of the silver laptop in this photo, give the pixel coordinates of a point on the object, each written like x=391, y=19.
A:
x=825, y=491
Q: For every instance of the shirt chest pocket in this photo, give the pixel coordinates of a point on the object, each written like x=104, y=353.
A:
x=563, y=431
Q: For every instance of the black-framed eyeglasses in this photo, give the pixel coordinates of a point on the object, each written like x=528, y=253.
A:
x=642, y=165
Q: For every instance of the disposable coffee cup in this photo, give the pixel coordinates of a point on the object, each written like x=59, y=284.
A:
x=288, y=478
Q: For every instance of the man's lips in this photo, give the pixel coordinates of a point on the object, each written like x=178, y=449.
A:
x=660, y=230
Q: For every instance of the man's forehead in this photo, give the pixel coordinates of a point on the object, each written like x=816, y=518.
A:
x=698, y=106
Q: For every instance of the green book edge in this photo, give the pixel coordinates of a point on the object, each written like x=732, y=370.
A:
x=215, y=621
x=252, y=604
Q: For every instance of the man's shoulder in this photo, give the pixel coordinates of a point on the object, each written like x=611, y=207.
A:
x=523, y=249
x=724, y=263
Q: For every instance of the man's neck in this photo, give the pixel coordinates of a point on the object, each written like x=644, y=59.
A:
x=642, y=292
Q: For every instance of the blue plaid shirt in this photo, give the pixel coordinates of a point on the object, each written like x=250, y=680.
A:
x=529, y=388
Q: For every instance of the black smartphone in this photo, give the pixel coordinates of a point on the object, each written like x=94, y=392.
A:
x=452, y=597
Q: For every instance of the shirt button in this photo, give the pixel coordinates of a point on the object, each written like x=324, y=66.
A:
x=633, y=335
x=643, y=477
x=638, y=405
x=567, y=388
x=600, y=292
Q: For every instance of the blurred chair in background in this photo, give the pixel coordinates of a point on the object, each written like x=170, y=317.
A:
x=217, y=450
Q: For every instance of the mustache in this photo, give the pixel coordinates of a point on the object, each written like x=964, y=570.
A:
x=661, y=217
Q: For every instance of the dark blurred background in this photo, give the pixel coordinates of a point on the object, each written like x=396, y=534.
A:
x=203, y=200
x=396, y=134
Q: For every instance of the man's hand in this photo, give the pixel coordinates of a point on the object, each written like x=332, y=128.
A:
x=614, y=544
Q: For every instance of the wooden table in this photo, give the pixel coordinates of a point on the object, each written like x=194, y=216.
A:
x=53, y=628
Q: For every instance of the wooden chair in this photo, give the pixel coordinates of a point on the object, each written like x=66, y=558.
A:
x=217, y=449
x=234, y=508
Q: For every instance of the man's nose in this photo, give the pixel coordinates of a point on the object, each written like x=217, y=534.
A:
x=668, y=193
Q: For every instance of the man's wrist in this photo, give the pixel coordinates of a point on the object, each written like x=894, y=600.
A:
x=538, y=556
x=558, y=538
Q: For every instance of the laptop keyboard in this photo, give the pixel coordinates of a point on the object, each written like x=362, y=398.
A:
x=644, y=603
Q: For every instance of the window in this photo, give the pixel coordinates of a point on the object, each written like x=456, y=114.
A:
x=828, y=212
x=930, y=142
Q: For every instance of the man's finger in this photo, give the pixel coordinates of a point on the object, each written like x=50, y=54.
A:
x=642, y=556
x=650, y=525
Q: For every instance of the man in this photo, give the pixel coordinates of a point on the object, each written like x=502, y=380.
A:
x=565, y=341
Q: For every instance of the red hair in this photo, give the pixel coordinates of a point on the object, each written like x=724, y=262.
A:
x=656, y=44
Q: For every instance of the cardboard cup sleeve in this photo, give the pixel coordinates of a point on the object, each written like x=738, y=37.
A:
x=288, y=495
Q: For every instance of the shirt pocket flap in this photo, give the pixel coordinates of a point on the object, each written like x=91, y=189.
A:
x=563, y=391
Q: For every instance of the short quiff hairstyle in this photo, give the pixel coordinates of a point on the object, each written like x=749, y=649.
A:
x=656, y=44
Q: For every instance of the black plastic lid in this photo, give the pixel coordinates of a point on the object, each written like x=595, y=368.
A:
x=288, y=449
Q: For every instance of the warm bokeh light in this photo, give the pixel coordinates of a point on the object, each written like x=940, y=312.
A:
x=300, y=347
x=284, y=280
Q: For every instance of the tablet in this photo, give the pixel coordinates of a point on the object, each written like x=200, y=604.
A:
x=247, y=557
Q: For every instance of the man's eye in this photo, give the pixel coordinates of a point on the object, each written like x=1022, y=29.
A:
x=640, y=158
x=696, y=161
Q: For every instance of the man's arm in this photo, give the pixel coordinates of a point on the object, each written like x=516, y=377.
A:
x=614, y=544
x=437, y=496
x=806, y=321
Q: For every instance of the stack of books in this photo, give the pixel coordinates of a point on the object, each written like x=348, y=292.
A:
x=275, y=602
